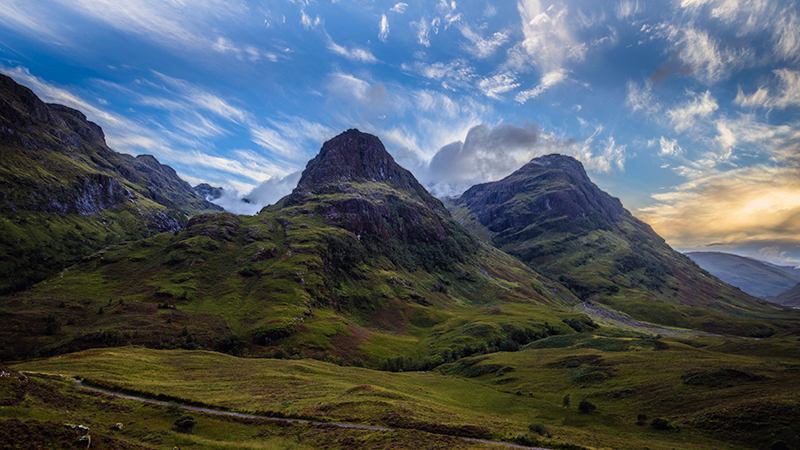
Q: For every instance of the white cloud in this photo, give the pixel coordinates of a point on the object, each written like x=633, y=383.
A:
x=399, y=8
x=483, y=47
x=685, y=116
x=641, y=97
x=456, y=73
x=422, y=31
x=628, y=8
x=549, y=80
x=352, y=53
x=549, y=39
x=498, y=84
x=308, y=22
x=384, y=28
x=787, y=92
x=224, y=45
x=670, y=147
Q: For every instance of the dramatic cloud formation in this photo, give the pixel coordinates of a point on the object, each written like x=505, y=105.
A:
x=675, y=107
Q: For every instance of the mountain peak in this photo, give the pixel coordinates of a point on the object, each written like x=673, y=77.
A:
x=561, y=162
x=351, y=156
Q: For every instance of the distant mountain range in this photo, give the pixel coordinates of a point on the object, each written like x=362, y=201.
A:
x=66, y=194
x=358, y=263
x=752, y=276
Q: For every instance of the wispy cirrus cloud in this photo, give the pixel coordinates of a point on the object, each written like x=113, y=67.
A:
x=481, y=47
x=357, y=54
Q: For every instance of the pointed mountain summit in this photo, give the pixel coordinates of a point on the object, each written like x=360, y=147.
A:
x=355, y=184
x=551, y=216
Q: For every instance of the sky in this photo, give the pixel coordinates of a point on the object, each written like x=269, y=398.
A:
x=686, y=110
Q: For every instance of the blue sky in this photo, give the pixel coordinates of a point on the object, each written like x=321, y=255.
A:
x=687, y=110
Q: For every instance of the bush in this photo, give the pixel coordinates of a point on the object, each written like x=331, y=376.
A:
x=585, y=406
x=539, y=429
x=641, y=419
x=525, y=439
x=185, y=423
x=52, y=325
x=174, y=409
x=567, y=401
x=660, y=423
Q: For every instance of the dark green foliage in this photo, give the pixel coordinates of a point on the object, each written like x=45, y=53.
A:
x=185, y=423
x=585, y=406
x=719, y=378
x=469, y=368
x=592, y=374
x=660, y=423
x=246, y=271
x=539, y=429
x=525, y=439
x=108, y=338
x=575, y=324
x=567, y=401
x=101, y=310
x=408, y=364
x=779, y=445
x=231, y=344
x=52, y=325
x=174, y=409
x=641, y=419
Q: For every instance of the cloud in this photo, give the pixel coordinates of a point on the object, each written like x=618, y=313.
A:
x=29, y=18
x=353, y=53
x=422, y=31
x=456, y=73
x=399, y=8
x=628, y=8
x=249, y=52
x=685, y=116
x=498, y=84
x=491, y=153
x=757, y=203
x=384, y=28
x=266, y=193
x=308, y=22
x=549, y=80
x=641, y=97
x=481, y=47
x=788, y=92
x=549, y=39
x=670, y=147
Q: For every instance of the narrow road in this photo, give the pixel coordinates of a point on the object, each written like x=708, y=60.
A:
x=277, y=419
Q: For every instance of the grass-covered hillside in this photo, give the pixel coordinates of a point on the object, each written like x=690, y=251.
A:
x=658, y=394
x=65, y=194
x=551, y=216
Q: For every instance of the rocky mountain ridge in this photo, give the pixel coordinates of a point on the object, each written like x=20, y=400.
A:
x=57, y=171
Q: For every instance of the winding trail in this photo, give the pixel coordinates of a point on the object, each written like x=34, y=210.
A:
x=280, y=419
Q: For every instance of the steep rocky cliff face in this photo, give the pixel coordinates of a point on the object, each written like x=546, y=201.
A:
x=551, y=216
x=58, y=174
x=355, y=184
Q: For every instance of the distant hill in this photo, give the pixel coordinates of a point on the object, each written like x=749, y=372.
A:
x=65, y=194
x=209, y=192
x=754, y=277
x=789, y=297
x=791, y=270
x=551, y=216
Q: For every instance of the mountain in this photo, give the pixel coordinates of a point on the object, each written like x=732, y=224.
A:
x=66, y=194
x=551, y=216
x=751, y=276
x=791, y=270
x=789, y=297
x=209, y=192
x=358, y=263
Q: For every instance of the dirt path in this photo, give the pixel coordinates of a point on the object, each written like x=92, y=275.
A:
x=276, y=419
x=601, y=315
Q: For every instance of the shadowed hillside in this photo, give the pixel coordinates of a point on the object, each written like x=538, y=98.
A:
x=751, y=276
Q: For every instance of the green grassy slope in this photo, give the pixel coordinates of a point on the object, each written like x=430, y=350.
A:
x=553, y=218
x=721, y=393
x=749, y=275
x=282, y=278
x=65, y=194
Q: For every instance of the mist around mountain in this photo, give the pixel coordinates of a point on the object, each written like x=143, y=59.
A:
x=66, y=194
x=552, y=217
x=751, y=276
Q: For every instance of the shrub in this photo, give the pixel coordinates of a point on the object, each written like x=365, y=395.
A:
x=641, y=419
x=101, y=310
x=52, y=325
x=660, y=423
x=525, y=439
x=174, y=409
x=185, y=423
x=539, y=429
x=585, y=406
x=567, y=401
